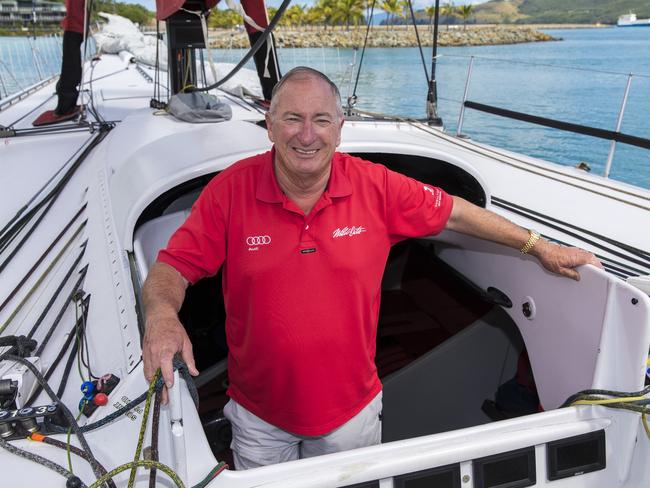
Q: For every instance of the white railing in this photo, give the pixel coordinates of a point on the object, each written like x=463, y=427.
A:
x=614, y=135
x=25, y=61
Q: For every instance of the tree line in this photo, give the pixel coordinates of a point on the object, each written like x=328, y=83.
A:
x=323, y=14
x=350, y=13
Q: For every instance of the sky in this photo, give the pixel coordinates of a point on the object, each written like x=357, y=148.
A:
x=151, y=4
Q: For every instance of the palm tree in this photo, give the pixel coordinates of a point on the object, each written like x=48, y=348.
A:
x=315, y=16
x=325, y=11
x=430, y=11
x=391, y=7
x=465, y=12
x=448, y=10
x=348, y=11
x=295, y=15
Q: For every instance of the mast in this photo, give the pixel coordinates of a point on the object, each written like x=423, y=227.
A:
x=432, y=95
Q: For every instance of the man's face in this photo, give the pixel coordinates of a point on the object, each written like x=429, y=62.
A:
x=305, y=127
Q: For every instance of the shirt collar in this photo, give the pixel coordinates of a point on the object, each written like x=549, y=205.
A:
x=268, y=190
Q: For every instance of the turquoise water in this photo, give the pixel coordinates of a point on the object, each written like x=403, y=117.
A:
x=580, y=79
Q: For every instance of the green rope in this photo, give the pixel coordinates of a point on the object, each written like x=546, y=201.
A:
x=68, y=440
x=135, y=464
x=143, y=426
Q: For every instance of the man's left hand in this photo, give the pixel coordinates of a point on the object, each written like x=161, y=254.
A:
x=563, y=260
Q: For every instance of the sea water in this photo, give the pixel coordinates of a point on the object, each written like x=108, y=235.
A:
x=579, y=79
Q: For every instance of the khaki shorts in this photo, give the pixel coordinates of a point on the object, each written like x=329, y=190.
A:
x=258, y=443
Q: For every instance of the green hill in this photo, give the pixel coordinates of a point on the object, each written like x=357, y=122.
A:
x=558, y=11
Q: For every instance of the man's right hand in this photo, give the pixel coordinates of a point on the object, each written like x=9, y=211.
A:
x=165, y=337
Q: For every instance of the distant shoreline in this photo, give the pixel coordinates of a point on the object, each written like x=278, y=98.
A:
x=382, y=36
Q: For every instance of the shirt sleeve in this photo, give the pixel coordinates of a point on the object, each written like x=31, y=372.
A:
x=414, y=209
x=198, y=247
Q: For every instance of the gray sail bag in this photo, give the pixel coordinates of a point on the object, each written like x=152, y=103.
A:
x=198, y=108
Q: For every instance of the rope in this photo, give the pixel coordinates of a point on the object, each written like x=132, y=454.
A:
x=18, y=221
x=585, y=394
x=155, y=421
x=40, y=281
x=20, y=345
x=45, y=253
x=143, y=426
x=38, y=459
x=633, y=401
x=58, y=290
x=214, y=472
x=86, y=453
x=84, y=344
x=74, y=449
x=644, y=421
x=141, y=463
x=55, y=323
x=18, y=246
x=137, y=401
x=64, y=409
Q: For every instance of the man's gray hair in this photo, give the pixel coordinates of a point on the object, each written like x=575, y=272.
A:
x=304, y=72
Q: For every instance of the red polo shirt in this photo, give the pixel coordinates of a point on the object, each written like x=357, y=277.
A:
x=302, y=292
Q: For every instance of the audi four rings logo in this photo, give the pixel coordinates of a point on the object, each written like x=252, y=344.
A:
x=258, y=240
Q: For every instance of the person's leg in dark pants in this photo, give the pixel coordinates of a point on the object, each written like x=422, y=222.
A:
x=67, y=87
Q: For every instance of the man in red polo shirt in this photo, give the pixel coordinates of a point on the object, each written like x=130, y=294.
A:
x=303, y=234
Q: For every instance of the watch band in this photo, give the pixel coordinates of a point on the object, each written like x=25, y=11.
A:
x=532, y=240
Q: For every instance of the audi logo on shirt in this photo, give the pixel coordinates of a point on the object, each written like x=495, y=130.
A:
x=258, y=240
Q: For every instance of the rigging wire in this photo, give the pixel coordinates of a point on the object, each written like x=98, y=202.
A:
x=251, y=52
x=432, y=93
x=352, y=99
x=417, y=36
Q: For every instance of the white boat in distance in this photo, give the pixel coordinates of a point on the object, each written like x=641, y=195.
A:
x=630, y=20
x=86, y=205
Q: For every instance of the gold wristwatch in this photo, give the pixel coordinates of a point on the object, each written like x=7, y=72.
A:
x=532, y=240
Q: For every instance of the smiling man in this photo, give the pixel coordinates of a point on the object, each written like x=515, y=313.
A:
x=302, y=277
